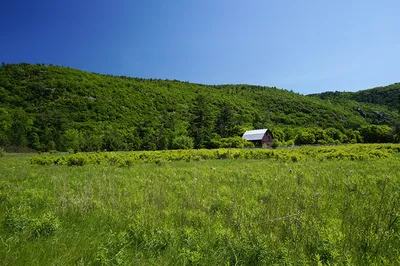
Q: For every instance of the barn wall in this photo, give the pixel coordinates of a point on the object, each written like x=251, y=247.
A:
x=267, y=139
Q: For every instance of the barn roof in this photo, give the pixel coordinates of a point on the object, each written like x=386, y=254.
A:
x=257, y=134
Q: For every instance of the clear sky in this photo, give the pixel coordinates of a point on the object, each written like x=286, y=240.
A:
x=302, y=45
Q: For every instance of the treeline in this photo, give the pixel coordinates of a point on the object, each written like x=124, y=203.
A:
x=56, y=108
x=365, y=134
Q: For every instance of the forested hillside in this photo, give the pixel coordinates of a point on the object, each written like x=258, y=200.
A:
x=387, y=95
x=57, y=108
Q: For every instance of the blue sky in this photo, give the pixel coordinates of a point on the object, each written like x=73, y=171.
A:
x=302, y=45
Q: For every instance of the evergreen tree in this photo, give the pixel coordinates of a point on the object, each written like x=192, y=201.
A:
x=201, y=126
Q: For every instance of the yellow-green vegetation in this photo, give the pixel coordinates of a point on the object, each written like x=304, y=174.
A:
x=335, y=205
x=295, y=154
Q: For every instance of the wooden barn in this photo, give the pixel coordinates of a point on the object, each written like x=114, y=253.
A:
x=260, y=137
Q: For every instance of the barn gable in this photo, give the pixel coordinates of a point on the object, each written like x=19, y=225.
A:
x=259, y=136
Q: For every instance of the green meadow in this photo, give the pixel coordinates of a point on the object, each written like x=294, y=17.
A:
x=335, y=205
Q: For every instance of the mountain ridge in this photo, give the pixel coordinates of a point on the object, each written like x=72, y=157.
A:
x=52, y=107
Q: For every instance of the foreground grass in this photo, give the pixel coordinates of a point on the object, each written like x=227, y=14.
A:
x=215, y=212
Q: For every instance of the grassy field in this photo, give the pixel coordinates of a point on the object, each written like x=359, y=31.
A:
x=305, y=206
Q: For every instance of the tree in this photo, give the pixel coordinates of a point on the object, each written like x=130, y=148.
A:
x=226, y=123
x=335, y=134
x=34, y=141
x=305, y=137
x=377, y=134
x=201, y=126
x=72, y=140
x=384, y=134
x=20, y=128
x=113, y=139
x=182, y=142
x=278, y=134
x=5, y=125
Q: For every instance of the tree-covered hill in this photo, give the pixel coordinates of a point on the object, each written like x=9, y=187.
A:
x=50, y=107
x=387, y=95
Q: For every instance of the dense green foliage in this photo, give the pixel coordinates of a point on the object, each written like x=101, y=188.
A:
x=55, y=108
x=205, y=212
x=388, y=95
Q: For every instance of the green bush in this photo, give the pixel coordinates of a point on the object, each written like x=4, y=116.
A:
x=41, y=160
x=51, y=146
x=114, y=160
x=2, y=152
x=249, y=144
x=215, y=143
x=275, y=144
x=305, y=137
x=290, y=142
x=182, y=143
x=397, y=138
x=77, y=159
x=163, y=157
x=126, y=163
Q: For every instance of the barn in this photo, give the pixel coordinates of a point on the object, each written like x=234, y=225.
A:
x=260, y=137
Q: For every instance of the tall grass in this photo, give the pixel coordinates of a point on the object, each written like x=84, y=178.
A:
x=207, y=212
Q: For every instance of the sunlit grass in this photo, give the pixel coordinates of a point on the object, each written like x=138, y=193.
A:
x=207, y=212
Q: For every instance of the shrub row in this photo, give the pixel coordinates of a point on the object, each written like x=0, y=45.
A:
x=126, y=159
